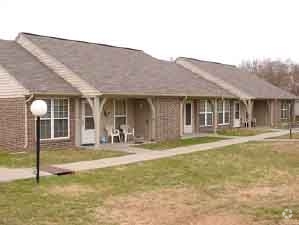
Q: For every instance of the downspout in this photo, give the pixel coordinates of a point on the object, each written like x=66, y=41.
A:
x=26, y=120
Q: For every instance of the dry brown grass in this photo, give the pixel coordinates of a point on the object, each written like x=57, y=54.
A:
x=191, y=206
x=285, y=147
x=168, y=207
x=74, y=190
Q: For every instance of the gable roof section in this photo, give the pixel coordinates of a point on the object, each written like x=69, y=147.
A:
x=236, y=80
x=9, y=86
x=59, y=68
x=116, y=70
x=29, y=73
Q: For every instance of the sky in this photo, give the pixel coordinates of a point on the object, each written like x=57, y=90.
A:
x=224, y=31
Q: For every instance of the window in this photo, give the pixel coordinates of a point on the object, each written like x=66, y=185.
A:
x=237, y=110
x=188, y=108
x=284, y=110
x=55, y=124
x=89, y=120
x=205, y=113
x=45, y=122
x=120, y=113
x=223, y=108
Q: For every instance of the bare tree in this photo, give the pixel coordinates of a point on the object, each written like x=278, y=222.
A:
x=284, y=74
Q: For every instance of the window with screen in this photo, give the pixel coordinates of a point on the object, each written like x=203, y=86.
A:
x=55, y=124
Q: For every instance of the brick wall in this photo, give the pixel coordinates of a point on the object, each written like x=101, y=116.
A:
x=12, y=124
x=277, y=121
x=167, y=118
x=52, y=144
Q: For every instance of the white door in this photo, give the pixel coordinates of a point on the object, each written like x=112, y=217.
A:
x=237, y=121
x=188, y=108
x=88, y=128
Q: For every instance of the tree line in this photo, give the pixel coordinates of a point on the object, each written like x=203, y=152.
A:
x=284, y=74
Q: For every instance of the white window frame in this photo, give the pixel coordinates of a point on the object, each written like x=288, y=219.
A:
x=120, y=115
x=224, y=110
x=52, y=120
x=284, y=110
x=205, y=113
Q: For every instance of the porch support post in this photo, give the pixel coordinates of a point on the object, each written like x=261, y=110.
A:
x=97, y=120
x=215, y=116
x=271, y=112
x=98, y=108
x=77, y=123
x=249, y=109
x=153, y=117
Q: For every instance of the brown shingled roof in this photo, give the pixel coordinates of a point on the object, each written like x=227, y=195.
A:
x=244, y=81
x=116, y=70
x=30, y=73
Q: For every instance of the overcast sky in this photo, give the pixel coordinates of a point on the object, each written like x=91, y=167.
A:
x=225, y=31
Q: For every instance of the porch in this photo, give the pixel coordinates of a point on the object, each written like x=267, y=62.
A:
x=102, y=118
x=209, y=115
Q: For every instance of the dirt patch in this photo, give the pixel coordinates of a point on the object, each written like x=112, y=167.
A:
x=286, y=147
x=167, y=207
x=193, y=206
x=74, y=190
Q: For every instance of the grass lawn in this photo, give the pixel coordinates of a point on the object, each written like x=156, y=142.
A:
x=242, y=184
x=48, y=157
x=179, y=143
x=243, y=131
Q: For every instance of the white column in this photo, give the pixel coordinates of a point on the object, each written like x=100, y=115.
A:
x=97, y=120
x=77, y=123
x=153, y=117
x=249, y=111
x=215, y=116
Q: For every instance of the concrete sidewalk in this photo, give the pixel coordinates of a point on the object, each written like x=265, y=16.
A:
x=7, y=174
x=15, y=174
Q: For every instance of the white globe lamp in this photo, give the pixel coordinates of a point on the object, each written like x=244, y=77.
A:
x=38, y=108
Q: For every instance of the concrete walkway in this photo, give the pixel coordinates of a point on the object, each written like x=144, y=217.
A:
x=140, y=156
x=7, y=174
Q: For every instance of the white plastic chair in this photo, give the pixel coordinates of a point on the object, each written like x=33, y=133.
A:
x=112, y=132
x=127, y=131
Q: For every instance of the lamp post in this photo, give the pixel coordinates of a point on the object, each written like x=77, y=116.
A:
x=38, y=109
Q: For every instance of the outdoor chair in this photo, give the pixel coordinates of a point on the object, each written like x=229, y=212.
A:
x=127, y=131
x=253, y=123
x=112, y=132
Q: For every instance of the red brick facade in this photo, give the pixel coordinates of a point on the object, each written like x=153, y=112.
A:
x=167, y=118
x=12, y=127
x=12, y=123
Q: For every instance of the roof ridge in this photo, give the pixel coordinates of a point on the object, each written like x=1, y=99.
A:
x=200, y=60
x=85, y=42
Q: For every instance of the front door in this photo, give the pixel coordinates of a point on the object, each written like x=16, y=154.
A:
x=88, y=128
x=142, y=111
x=188, y=128
x=237, y=122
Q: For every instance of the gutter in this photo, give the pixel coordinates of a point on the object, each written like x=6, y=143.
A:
x=26, y=120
